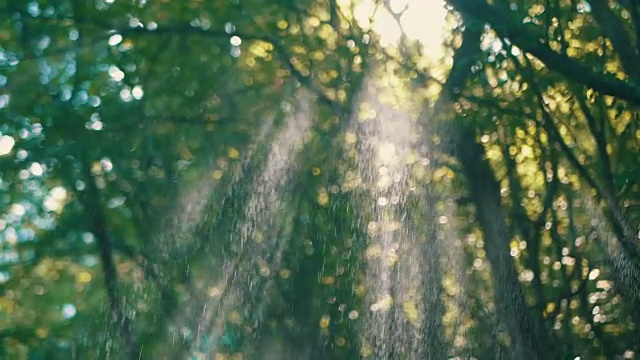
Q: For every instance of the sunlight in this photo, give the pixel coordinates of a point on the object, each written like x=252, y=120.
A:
x=6, y=144
x=393, y=165
x=423, y=21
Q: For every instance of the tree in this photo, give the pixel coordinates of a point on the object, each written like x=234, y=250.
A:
x=548, y=46
x=265, y=179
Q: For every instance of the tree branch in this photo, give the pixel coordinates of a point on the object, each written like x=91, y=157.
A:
x=568, y=67
x=615, y=31
x=622, y=228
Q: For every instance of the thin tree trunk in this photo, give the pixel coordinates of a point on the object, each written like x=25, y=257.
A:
x=98, y=226
x=508, y=292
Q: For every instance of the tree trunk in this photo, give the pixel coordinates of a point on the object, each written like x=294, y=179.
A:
x=527, y=342
x=508, y=292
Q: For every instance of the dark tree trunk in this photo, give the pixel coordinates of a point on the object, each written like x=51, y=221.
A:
x=527, y=342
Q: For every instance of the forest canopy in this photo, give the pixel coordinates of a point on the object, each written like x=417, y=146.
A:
x=317, y=179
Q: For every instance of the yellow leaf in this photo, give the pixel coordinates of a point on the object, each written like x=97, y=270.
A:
x=233, y=153
x=351, y=138
x=373, y=251
x=366, y=351
x=550, y=307
x=234, y=317
x=83, y=277
x=214, y=291
x=282, y=24
x=41, y=333
x=323, y=197
x=324, y=321
x=216, y=174
x=285, y=273
x=328, y=280
x=410, y=310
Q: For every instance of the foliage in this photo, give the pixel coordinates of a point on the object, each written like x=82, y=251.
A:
x=186, y=177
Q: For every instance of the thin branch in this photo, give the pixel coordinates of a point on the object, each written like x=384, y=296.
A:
x=523, y=38
x=565, y=295
x=601, y=142
x=615, y=31
x=633, y=6
x=623, y=229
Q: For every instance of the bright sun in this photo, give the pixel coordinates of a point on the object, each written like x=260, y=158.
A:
x=424, y=20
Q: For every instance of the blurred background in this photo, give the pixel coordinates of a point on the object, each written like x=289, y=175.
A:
x=319, y=179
